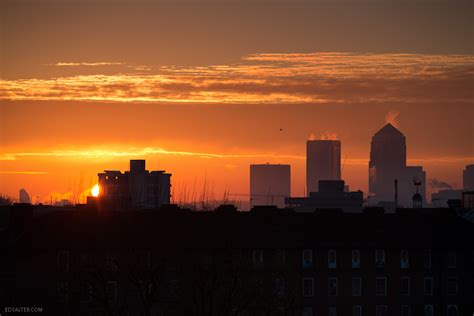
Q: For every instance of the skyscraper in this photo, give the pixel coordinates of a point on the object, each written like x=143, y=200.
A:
x=270, y=184
x=388, y=162
x=323, y=162
x=468, y=178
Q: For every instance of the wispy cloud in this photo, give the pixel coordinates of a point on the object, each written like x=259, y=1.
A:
x=141, y=152
x=88, y=64
x=270, y=78
x=24, y=172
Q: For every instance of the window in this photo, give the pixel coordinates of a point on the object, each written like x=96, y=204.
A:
x=405, y=286
x=148, y=260
x=405, y=311
x=110, y=262
x=452, y=286
x=63, y=261
x=429, y=311
x=332, y=311
x=307, y=258
x=332, y=259
x=63, y=292
x=174, y=288
x=356, y=286
x=111, y=291
x=452, y=259
x=404, y=260
x=355, y=259
x=428, y=285
x=279, y=287
x=257, y=256
x=427, y=259
x=307, y=311
x=280, y=256
x=381, y=286
x=86, y=293
x=356, y=310
x=380, y=310
x=308, y=287
x=332, y=284
x=452, y=310
x=379, y=258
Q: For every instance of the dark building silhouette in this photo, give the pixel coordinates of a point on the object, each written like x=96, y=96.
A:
x=468, y=178
x=323, y=162
x=388, y=163
x=136, y=189
x=270, y=184
x=268, y=261
x=441, y=198
x=331, y=195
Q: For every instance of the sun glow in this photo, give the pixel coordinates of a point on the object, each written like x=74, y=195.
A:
x=95, y=190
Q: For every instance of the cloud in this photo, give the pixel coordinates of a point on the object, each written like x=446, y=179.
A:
x=144, y=151
x=268, y=78
x=438, y=184
x=23, y=172
x=88, y=64
x=392, y=118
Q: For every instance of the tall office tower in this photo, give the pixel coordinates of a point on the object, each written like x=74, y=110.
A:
x=468, y=178
x=270, y=184
x=323, y=162
x=388, y=162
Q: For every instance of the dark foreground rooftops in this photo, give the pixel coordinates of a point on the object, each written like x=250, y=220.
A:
x=263, y=227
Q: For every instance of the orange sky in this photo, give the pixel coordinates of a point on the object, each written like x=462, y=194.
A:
x=203, y=98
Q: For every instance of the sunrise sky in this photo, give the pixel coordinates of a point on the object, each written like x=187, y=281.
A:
x=202, y=89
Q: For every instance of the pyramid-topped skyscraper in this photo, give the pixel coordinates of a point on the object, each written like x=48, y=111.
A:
x=388, y=162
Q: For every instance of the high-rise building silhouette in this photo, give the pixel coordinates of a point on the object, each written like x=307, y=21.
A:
x=323, y=162
x=388, y=162
x=24, y=197
x=137, y=188
x=468, y=178
x=270, y=184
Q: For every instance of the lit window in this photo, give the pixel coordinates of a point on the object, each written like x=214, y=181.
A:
x=308, y=287
x=355, y=259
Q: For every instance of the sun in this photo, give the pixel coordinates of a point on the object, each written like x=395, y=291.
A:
x=95, y=190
